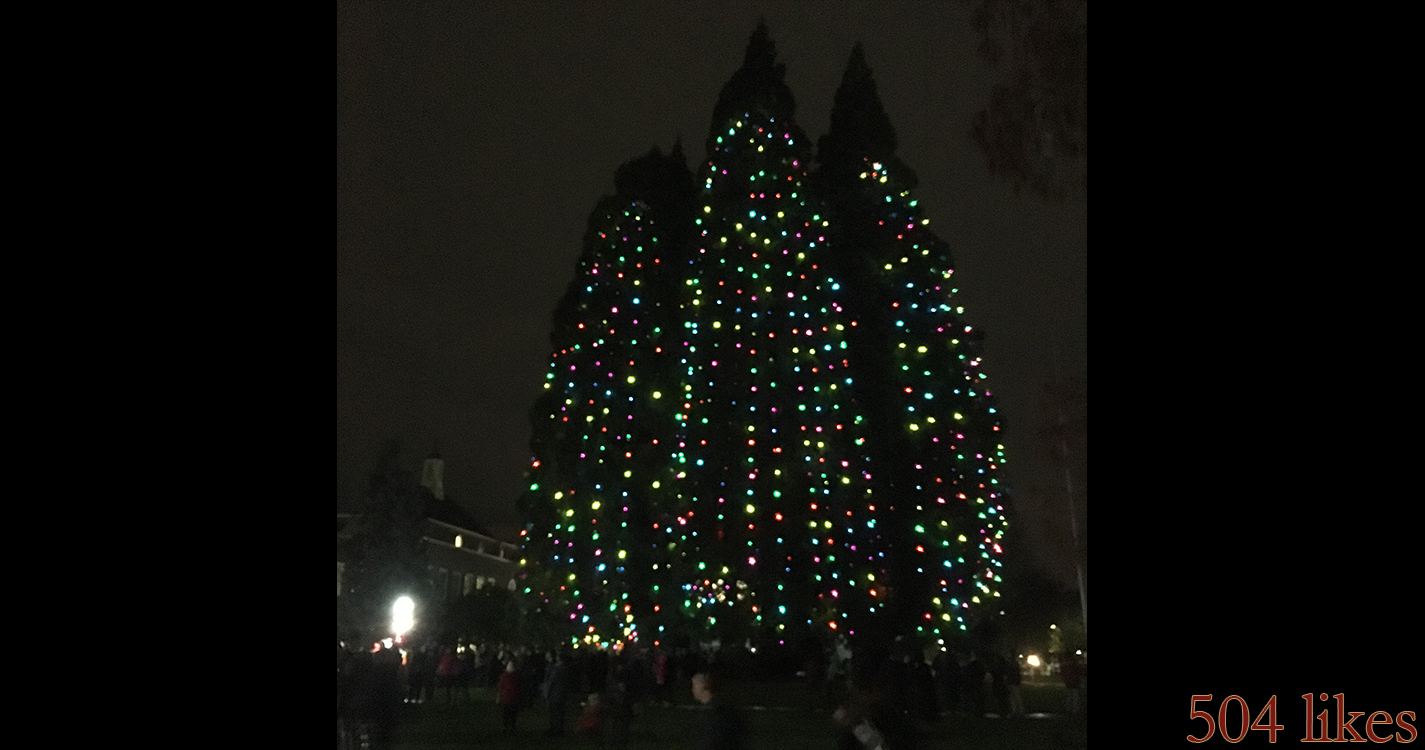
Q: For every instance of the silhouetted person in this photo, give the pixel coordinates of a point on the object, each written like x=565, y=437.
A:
x=508, y=690
x=1012, y=681
x=972, y=681
x=639, y=677
x=923, y=703
x=999, y=683
x=869, y=721
x=1072, y=671
x=420, y=673
x=591, y=721
x=561, y=685
x=374, y=694
x=529, y=673
x=465, y=672
x=837, y=678
x=893, y=682
x=598, y=670
x=723, y=728
x=619, y=717
x=662, y=675
x=447, y=672
x=348, y=685
x=950, y=670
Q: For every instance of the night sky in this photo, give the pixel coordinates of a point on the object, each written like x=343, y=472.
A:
x=474, y=142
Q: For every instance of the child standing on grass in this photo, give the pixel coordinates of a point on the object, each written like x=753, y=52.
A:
x=593, y=717
x=724, y=729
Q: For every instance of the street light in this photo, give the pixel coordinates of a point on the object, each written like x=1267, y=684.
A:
x=403, y=616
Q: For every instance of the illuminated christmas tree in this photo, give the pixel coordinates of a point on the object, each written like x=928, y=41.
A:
x=763, y=413
x=937, y=448
x=779, y=528
x=602, y=429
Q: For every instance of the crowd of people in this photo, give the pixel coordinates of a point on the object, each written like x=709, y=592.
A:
x=935, y=681
x=880, y=698
x=373, y=683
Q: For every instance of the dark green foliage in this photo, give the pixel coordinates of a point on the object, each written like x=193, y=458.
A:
x=860, y=130
x=384, y=550
x=704, y=465
x=489, y=614
x=758, y=85
x=896, y=271
x=1034, y=129
x=621, y=304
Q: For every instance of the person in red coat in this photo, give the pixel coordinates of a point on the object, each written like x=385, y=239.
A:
x=509, y=696
x=447, y=670
x=592, y=720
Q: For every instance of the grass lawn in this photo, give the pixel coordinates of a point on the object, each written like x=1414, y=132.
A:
x=780, y=716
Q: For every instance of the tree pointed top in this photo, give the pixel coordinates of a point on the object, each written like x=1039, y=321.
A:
x=757, y=84
x=859, y=125
x=860, y=132
x=655, y=178
x=761, y=51
x=857, y=62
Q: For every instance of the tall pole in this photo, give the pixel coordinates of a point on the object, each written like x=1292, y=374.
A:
x=1069, y=490
x=1074, y=524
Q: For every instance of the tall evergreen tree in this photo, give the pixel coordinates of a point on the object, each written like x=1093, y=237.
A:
x=937, y=449
x=778, y=481
x=763, y=413
x=386, y=550
x=1034, y=128
x=602, y=429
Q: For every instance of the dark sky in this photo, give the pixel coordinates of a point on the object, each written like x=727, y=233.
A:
x=473, y=143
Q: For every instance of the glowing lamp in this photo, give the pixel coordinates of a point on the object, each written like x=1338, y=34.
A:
x=403, y=615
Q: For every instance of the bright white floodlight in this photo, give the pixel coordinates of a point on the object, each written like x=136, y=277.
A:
x=403, y=615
